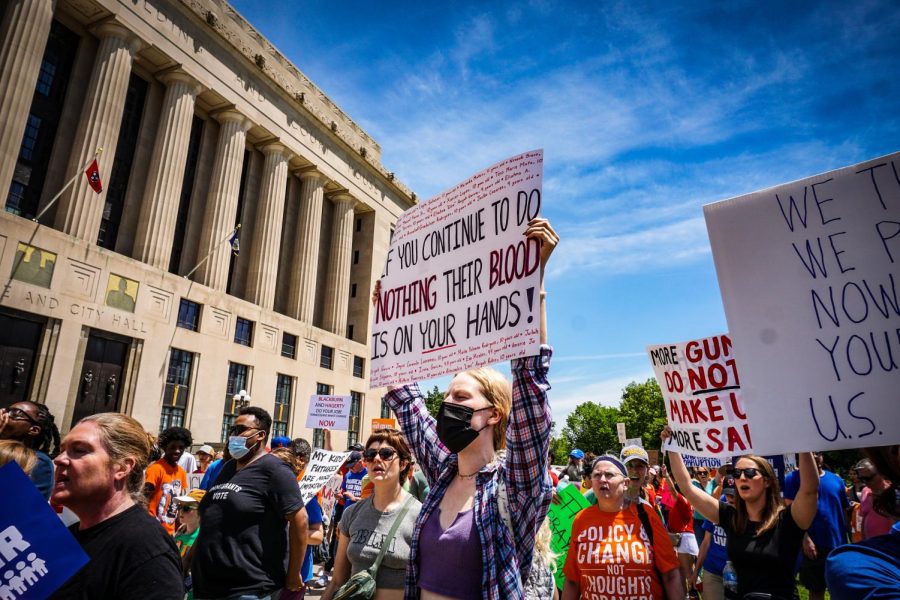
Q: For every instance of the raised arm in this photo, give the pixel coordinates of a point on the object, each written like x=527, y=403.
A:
x=419, y=429
x=541, y=230
x=803, y=508
x=702, y=502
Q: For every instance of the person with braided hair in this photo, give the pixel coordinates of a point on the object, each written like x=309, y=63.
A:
x=33, y=425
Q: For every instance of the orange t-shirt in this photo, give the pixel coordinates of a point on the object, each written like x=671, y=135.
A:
x=168, y=482
x=610, y=555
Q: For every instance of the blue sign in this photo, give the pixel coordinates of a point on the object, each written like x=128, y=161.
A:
x=37, y=552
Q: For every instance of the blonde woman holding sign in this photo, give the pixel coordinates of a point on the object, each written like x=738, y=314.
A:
x=764, y=536
x=484, y=509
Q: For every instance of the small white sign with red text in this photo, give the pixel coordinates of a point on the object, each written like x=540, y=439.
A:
x=329, y=412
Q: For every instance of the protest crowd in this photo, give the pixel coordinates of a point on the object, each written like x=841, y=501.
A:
x=465, y=505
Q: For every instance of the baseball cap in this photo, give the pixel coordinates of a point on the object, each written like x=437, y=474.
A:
x=192, y=497
x=576, y=453
x=630, y=453
x=354, y=458
x=280, y=441
x=728, y=486
x=207, y=449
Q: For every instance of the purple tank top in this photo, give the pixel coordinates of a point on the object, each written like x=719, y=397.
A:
x=450, y=559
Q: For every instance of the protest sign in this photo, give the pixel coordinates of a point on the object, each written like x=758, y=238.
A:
x=329, y=412
x=322, y=465
x=330, y=492
x=702, y=393
x=561, y=516
x=378, y=424
x=37, y=551
x=620, y=430
x=461, y=284
x=703, y=461
x=808, y=273
x=194, y=480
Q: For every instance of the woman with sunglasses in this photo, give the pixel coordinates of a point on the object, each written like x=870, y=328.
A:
x=764, y=536
x=365, y=525
x=33, y=425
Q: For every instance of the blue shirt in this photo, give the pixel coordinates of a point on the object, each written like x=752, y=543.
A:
x=717, y=555
x=314, y=514
x=42, y=474
x=829, y=528
x=867, y=570
x=352, y=483
x=212, y=473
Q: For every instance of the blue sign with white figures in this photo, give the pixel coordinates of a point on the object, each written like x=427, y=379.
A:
x=37, y=552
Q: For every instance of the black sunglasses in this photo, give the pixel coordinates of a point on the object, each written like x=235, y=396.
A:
x=749, y=473
x=384, y=453
x=239, y=429
x=17, y=414
x=186, y=508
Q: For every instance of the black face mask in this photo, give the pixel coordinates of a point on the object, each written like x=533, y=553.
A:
x=453, y=429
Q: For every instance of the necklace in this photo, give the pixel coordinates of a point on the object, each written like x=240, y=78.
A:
x=461, y=476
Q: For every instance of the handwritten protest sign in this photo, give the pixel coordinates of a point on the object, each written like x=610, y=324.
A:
x=561, y=516
x=702, y=392
x=809, y=278
x=461, y=284
x=330, y=492
x=329, y=412
x=38, y=552
x=322, y=465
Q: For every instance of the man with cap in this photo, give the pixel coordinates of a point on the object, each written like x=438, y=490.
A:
x=575, y=467
x=637, y=461
x=713, y=554
x=204, y=457
x=351, y=486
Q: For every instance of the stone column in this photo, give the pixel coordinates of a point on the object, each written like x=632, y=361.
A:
x=337, y=292
x=221, y=202
x=267, y=235
x=162, y=192
x=302, y=298
x=81, y=208
x=23, y=38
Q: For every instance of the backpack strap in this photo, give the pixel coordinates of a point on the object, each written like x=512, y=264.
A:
x=390, y=535
x=645, y=522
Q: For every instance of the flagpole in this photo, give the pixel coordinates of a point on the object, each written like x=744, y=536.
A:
x=213, y=251
x=65, y=187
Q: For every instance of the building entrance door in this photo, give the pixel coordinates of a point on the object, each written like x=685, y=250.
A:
x=100, y=386
x=19, y=339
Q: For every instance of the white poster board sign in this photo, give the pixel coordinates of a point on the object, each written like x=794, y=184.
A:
x=620, y=430
x=322, y=466
x=194, y=480
x=330, y=492
x=329, y=412
x=461, y=284
x=702, y=391
x=809, y=274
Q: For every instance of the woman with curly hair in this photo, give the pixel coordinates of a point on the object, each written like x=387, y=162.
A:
x=33, y=425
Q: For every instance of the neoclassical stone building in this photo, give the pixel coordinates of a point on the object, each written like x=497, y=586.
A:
x=203, y=126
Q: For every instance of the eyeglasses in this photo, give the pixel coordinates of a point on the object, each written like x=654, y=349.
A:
x=749, y=473
x=384, y=453
x=239, y=429
x=17, y=414
x=608, y=475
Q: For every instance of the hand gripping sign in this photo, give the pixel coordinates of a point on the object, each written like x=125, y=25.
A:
x=461, y=283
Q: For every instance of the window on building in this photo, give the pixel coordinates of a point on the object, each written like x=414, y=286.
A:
x=326, y=360
x=356, y=400
x=356, y=257
x=353, y=290
x=322, y=389
x=284, y=388
x=33, y=157
x=239, y=218
x=359, y=366
x=120, y=176
x=187, y=188
x=386, y=410
x=177, y=390
x=237, y=381
x=358, y=225
x=289, y=345
x=189, y=315
x=243, y=332
x=349, y=332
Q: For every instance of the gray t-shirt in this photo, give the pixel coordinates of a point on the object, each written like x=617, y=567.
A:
x=367, y=528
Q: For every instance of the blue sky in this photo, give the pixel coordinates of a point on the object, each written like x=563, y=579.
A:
x=645, y=113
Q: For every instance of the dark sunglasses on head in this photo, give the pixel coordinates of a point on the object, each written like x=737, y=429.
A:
x=17, y=414
x=749, y=473
x=239, y=429
x=384, y=453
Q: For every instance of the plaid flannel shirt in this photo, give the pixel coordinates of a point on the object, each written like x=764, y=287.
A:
x=506, y=556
